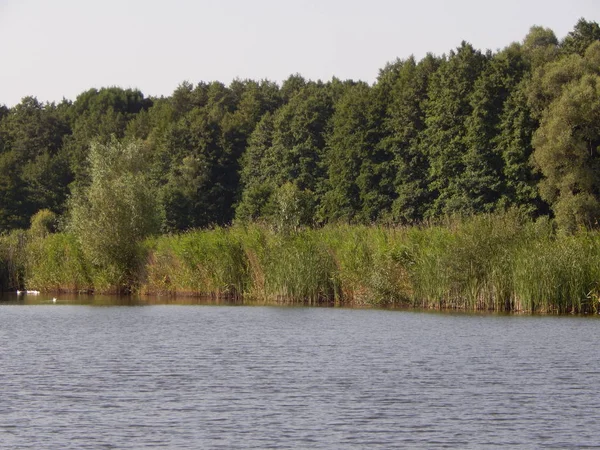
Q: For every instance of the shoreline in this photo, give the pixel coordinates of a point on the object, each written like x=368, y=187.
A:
x=91, y=299
x=499, y=262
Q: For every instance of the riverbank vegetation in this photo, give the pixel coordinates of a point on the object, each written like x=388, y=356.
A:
x=498, y=262
x=467, y=180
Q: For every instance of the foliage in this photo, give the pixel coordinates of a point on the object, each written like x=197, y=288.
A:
x=34, y=170
x=56, y=262
x=499, y=262
x=12, y=260
x=445, y=137
x=43, y=223
x=290, y=208
x=583, y=35
x=98, y=115
x=463, y=133
x=112, y=215
x=194, y=263
x=568, y=140
x=404, y=127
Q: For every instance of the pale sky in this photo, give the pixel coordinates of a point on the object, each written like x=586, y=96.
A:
x=59, y=48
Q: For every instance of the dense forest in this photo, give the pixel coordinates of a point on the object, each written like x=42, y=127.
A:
x=456, y=134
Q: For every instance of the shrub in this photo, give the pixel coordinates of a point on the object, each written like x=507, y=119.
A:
x=115, y=213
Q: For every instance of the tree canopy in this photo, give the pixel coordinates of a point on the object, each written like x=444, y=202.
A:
x=462, y=133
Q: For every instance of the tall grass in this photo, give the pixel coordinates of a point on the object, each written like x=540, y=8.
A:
x=466, y=263
x=12, y=260
x=298, y=267
x=559, y=275
x=369, y=265
x=56, y=263
x=499, y=262
x=210, y=262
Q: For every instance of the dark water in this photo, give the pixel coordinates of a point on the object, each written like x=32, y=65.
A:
x=77, y=376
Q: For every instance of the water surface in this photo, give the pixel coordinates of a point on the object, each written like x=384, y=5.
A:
x=133, y=374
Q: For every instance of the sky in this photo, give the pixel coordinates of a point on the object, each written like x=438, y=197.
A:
x=55, y=49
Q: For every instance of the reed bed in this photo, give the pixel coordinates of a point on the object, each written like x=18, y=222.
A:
x=12, y=260
x=56, y=263
x=209, y=262
x=559, y=275
x=496, y=262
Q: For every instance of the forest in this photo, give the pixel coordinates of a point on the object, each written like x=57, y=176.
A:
x=466, y=133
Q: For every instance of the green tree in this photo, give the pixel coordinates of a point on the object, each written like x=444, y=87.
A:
x=287, y=147
x=14, y=208
x=97, y=115
x=3, y=112
x=115, y=212
x=568, y=140
x=540, y=46
x=447, y=110
x=291, y=208
x=299, y=137
x=516, y=130
x=259, y=169
x=482, y=180
x=43, y=223
x=196, y=192
x=348, y=146
x=37, y=175
x=292, y=86
x=583, y=35
x=197, y=156
x=253, y=101
x=403, y=137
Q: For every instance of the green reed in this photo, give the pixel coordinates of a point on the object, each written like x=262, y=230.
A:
x=369, y=263
x=208, y=262
x=499, y=262
x=12, y=260
x=56, y=263
x=300, y=267
x=559, y=274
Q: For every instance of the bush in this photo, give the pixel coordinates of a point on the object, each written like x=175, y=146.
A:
x=43, y=223
x=112, y=215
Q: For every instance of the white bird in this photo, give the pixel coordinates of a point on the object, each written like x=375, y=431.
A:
x=54, y=300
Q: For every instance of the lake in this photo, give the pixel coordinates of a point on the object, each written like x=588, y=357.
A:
x=132, y=374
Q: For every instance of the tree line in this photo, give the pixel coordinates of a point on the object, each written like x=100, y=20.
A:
x=462, y=133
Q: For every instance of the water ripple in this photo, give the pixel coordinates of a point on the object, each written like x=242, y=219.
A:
x=187, y=377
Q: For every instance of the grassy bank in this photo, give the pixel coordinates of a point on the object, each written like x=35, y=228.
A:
x=12, y=260
x=489, y=262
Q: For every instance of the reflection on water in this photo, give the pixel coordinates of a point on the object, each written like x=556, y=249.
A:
x=74, y=376
x=12, y=298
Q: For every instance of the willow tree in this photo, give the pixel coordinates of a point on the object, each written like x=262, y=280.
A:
x=115, y=212
x=567, y=143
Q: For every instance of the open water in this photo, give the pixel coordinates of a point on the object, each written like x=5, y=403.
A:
x=126, y=374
